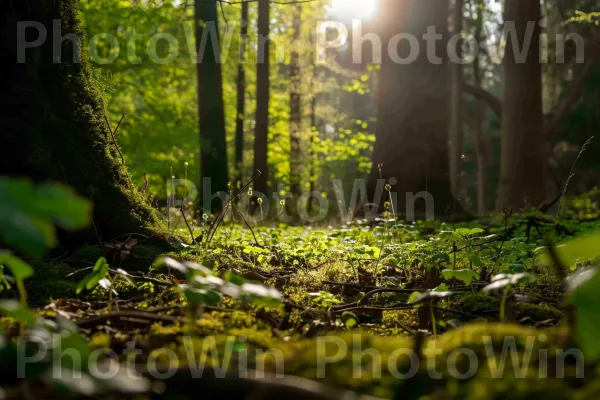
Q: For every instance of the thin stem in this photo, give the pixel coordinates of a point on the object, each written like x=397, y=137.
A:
x=503, y=303
x=433, y=322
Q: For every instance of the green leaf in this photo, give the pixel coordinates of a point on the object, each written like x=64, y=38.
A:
x=441, y=288
x=201, y=296
x=502, y=281
x=19, y=268
x=99, y=272
x=474, y=258
x=351, y=320
x=583, y=288
x=464, y=275
x=517, y=268
x=60, y=203
x=28, y=214
x=427, y=296
x=14, y=309
x=583, y=248
x=443, y=256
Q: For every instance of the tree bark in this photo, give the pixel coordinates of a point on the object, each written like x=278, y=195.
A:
x=296, y=169
x=213, y=143
x=524, y=156
x=261, y=132
x=412, y=128
x=241, y=96
x=481, y=145
x=53, y=123
x=456, y=126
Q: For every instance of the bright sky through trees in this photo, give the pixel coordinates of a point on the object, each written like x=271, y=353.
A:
x=351, y=9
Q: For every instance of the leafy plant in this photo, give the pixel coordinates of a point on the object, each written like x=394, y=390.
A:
x=583, y=290
x=105, y=277
x=203, y=286
x=430, y=297
x=325, y=299
x=464, y=275
x=28, y=214
x=505, y=282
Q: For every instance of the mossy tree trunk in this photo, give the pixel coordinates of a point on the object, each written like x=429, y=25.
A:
x=52, y=121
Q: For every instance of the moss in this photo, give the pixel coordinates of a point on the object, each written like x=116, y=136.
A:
x=53, y=122
x=538, y=312
x=100, y=341
x=400, y=317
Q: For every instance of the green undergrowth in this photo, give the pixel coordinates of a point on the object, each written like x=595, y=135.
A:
x=370, y=290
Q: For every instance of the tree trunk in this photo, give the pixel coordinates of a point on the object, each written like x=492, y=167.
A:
x=53, y=122
x=261, y=133
x=524, y=157
x=456, y=126
x=241, y=96
x=481, y=145
x=213, y=143
x=412, y=128
x=296, y=169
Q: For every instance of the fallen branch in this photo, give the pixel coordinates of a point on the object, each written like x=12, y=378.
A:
x=93, y=321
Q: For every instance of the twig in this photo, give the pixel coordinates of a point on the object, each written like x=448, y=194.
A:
x=128, y=314
x=213, y=227
x=145, y=185
x=247, y=224
x=186, y=223
x=372, y=293
x=113, y=133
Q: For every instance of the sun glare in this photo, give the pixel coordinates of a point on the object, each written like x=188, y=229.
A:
x=354, y=9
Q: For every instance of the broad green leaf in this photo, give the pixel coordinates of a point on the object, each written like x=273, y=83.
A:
x=474, y=258
x=583, y=288
x=464, y=275
x=28, y=214
x=441, y=288
x=582, y=248
x=64, y=206
x=19, y=268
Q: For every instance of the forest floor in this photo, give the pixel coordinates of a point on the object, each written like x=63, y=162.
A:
x=338, y=305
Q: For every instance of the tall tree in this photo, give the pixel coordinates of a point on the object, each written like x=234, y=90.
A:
x=213, y=143
x=53, y=121
x=412, y=126
x=524, y=157
x=241, y=95
x=261, y=132
x=295, y=106
x=481, y=141
x=456, y=125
